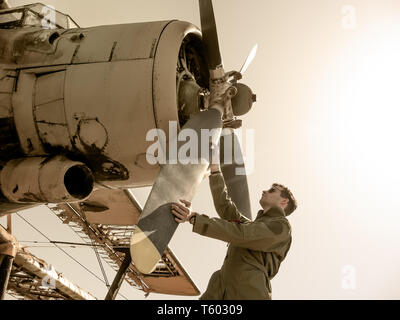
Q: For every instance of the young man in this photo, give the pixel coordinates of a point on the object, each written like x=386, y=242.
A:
x=256, y=248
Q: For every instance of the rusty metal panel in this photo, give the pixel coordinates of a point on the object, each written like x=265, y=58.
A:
x=23, y=102
x=49, y=110
x=32, y=49
x=7, y=38
x=39, y=109
x=119, y=42
x=56, y=135
x=96, y=46
x=51, y=113
x=37, y=47
x=117, y=102
x=43, y=180
x=5, y=105
x=49, y=87
x=140, y=41
x=7, y=81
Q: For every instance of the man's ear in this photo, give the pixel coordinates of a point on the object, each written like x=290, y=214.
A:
x=285, y=202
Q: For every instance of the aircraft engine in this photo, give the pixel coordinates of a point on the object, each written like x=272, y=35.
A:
x=93, y=94
x=45, y=180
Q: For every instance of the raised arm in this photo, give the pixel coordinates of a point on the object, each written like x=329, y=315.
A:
x=223, y=204
x=263, y=235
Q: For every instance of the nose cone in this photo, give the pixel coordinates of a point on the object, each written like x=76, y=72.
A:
x=243, y=101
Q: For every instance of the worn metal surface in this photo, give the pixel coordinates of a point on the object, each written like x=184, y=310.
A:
x=40, y=180
x=164, y=74
x=119, y=278
x=8, y=243
x=29, y=271
x=8, y=251
x=42, y=270
x=6, y=263
x=62, y=91
x=9, y=144
x=91, y=95
x=116, y=105
x=92, y=100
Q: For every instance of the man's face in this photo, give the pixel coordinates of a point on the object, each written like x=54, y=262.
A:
x=272, y=197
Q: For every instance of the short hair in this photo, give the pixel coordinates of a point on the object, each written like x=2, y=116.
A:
x=287, y=194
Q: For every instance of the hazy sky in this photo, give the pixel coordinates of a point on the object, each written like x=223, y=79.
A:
x=326, y=124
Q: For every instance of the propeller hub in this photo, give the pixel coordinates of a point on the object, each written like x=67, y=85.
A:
x=217, y=73
x=243, y=101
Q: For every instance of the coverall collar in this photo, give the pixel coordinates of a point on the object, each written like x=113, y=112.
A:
x=273, y=212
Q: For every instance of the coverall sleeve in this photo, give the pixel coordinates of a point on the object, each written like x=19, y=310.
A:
x=259, y=235
x=223, y=204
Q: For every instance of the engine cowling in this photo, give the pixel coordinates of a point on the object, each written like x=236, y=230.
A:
x=93, y=93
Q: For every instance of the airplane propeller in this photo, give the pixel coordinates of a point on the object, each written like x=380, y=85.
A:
x=249, y=59
x=210, y=35
x=231, y=157
x=176, y=180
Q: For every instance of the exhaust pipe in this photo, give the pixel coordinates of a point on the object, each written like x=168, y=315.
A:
x=46, y=180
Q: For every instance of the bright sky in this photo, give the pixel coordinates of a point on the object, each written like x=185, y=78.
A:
x=326, y=125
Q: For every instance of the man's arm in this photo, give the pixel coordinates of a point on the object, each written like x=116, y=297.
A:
x=260, y=235
x=223, y=204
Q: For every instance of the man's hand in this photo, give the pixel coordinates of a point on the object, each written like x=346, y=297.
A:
x=181, y=212
x=215, y=167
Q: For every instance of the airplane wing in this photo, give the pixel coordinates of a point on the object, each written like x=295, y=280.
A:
x=107, y=218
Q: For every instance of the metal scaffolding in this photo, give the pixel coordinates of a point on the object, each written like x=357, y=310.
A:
x=34, y=279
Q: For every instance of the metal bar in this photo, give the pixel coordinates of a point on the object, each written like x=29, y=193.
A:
x=5, y=271
x=116, y=285
x=56, y=280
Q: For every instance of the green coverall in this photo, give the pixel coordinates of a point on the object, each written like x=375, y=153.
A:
x=256, y=248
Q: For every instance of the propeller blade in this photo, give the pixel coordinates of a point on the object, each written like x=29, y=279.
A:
x=249, y=59
x=231, y=161
x=156, y=225
x=209, y=32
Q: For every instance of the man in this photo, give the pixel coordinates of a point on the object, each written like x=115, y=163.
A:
x=256, y=248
